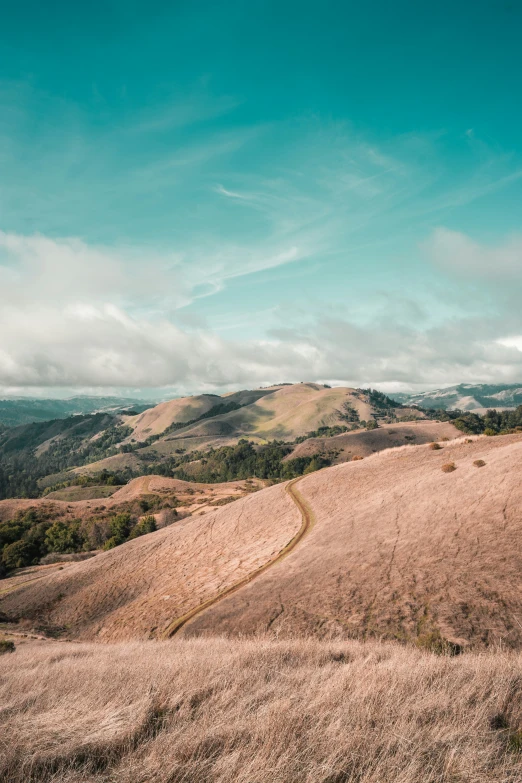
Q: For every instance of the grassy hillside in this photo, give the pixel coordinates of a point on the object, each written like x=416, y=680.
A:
x=258, y=711
x=346, y=446
x=90, y=517
x=287, y=413
x=37, y=456
x=398, y=546
x=32, y=451
x=400, y=549
x=154, y=421
x=113, y=596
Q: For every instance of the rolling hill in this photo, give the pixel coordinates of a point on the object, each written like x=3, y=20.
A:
x=281, y=413
x=39, y=455
x=154, y=421
x=138, y=591
x=466, y=397
x=285, y=413
x=343, y=447
x=394, y=546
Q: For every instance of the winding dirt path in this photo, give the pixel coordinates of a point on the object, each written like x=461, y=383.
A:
x=308, y=521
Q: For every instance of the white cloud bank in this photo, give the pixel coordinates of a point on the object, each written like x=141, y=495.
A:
x=69, y=318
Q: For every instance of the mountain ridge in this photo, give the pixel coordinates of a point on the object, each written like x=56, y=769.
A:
x=465, y=397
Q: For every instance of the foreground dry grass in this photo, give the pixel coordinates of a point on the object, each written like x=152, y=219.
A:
x=258, y=711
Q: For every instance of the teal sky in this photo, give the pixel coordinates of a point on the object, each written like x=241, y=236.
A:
x=206, y=195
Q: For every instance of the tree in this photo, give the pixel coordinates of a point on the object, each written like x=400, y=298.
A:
x=62, y=537
x=120, y=527
x=144, y=526
x=18, y=555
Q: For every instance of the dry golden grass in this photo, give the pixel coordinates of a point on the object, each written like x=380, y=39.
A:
x=258, y=711
x=398, y=550
x=191, y=497
x=136, y=590
x=435, y=446
x=289, y=412
x=155, y=420
x=366, y=442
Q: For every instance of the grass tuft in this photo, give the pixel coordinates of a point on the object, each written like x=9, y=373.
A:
x=449, y=467
x=6, y=646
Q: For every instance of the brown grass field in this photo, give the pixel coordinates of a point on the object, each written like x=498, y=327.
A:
x=399, y=550
x=296, y=675
x=365, y=443
x=258, y=711
x=192, y=497
x=155, y=420
x=137, y=590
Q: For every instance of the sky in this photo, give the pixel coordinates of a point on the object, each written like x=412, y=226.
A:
x=207, y=196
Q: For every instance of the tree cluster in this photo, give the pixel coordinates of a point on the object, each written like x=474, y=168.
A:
x=34, y=533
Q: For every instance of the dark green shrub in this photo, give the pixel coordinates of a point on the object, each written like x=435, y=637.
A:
x=18, y=555
x=62, y=537
x=111, y=543
x=120, y=527
x=144, y=526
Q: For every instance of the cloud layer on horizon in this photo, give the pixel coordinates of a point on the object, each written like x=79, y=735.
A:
x=68, y=318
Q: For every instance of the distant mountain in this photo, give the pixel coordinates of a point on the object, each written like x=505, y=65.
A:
x=168, y=436
x=466, y=397
x=27, y=410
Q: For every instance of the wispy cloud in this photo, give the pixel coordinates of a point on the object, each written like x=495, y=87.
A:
x=175, y=114
x=230, y=193
x=112, y=237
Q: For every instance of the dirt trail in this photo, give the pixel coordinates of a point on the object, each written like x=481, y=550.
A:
x=308, y=520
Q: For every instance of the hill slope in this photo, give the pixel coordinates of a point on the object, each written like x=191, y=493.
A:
x=156, y=420
x=399, y=549
x=139, y=588
x=285, y=414
x=342, y=448
x=466, y=397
